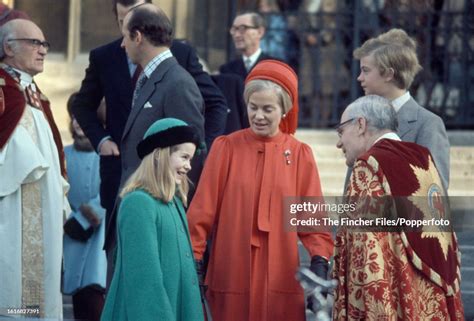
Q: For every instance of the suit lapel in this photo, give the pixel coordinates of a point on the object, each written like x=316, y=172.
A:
x=407, y=117
x=147, y=90
x=240, y=67
x=261, y=57
x=119, y=75
x=121, y=67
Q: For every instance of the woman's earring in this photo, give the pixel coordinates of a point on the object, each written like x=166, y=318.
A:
x=284, y=116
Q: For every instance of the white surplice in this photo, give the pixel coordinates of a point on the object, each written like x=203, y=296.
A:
x=24, y=160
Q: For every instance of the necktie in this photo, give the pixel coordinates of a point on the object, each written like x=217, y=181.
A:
x=247, y=63
x=33, y=97
x=140, y=82
x=136, y=74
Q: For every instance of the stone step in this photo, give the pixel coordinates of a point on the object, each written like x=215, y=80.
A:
x=325, y=170
x=333, y=185
x=458, y=154
x=462, y=168
x=459, y=170
x=328, y=136
x=335, y=189
x=465, y=153
x=318, y=135
x=332, y=168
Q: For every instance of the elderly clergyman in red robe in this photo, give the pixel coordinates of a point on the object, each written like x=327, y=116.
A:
x=32, y=184
x=392, y=274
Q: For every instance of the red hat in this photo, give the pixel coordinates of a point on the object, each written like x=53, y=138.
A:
x=281, y=74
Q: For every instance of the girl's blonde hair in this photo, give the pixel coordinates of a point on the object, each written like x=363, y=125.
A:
x=155, y=176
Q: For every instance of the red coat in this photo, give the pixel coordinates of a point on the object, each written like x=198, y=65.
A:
x=399, y=275
x=251, y=273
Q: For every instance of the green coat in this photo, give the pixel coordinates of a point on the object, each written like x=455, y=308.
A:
x=154, y=277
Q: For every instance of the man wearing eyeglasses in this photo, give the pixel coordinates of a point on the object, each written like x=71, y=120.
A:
x=32, y=189
x=247, y=30
x=392, y=271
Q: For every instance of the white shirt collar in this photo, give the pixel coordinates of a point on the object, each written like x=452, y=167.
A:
x=158, y=59
x=25, y=79
x=151, y=66
x=397, y=103
x=390, y=135
x=253, y=58
x=131, y=66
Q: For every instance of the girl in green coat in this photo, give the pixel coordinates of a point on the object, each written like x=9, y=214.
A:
x=155, y=277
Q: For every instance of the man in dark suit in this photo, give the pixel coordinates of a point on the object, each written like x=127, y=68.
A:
x=247, y=30
x=164, y=89
x=232, y=87
x=111, y=75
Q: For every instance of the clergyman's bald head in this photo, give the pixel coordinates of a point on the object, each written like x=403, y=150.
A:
x=23, y=46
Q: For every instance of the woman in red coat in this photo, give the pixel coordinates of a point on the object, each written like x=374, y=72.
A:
x=239, y=201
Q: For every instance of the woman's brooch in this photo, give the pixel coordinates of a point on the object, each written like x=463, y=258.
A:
x=287, y=156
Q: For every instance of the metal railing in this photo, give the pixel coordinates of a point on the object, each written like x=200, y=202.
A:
x=319, y=46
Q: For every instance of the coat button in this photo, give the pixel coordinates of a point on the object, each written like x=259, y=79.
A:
x=187, y=254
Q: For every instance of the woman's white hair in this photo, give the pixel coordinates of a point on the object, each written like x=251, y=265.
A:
x=258, y=85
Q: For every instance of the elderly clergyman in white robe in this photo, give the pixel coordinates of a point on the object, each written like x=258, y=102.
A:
x=32, y=187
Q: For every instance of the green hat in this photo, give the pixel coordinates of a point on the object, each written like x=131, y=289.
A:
x=167, y=132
